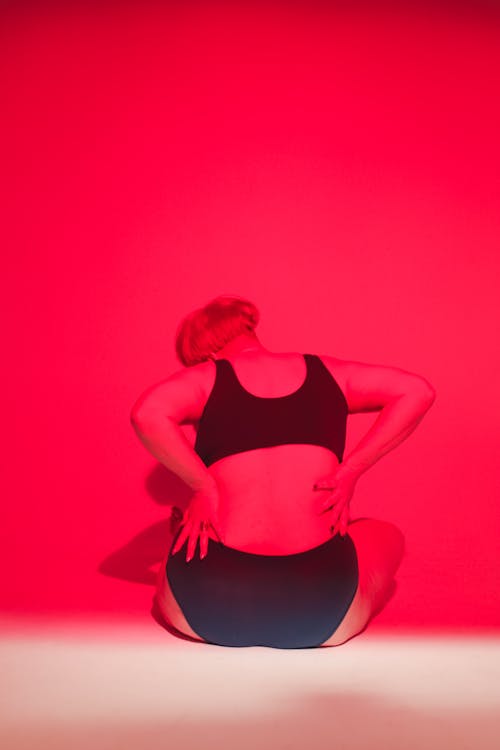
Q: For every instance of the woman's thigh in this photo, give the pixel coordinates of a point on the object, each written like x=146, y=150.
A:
x=379, y=548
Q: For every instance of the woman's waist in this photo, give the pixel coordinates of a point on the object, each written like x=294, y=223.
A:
x=268, y=527
x=267, y=500
x=279, y=471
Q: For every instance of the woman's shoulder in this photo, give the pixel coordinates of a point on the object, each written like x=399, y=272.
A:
x=369, y=387
x=181, y=396
x=338, y=369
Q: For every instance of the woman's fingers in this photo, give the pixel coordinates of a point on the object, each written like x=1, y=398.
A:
x=344, y=519
x=336, y=516
x=328, y=502
x=193, y=538
x=325, y=484
x=194, y=529
x=336, y=511
x=186, y=529
x=199, y=531
x=204, y=540
x=205, y=534
x=218, y=531
x=326, y=505
x=341, y=522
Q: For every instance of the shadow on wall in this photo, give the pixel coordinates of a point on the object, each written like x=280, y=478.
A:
x=134, y=560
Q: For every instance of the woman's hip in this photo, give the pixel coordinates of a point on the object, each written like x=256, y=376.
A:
x=239, y=598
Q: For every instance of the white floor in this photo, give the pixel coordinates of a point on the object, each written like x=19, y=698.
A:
x=120, y=686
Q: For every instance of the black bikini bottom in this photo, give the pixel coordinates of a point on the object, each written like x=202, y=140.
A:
x=235, y=598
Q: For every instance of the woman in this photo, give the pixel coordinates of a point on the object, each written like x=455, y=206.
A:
x=266, y=552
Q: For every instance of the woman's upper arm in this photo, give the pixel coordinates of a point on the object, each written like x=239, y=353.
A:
x=181, y=397
x=370, y=387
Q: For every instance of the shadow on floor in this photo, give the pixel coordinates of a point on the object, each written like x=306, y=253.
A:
x=323, y=719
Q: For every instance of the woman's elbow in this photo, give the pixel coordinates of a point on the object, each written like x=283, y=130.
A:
x=137, y=418
x=425, y=392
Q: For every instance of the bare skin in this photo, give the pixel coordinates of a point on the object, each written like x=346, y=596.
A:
x=267, y=501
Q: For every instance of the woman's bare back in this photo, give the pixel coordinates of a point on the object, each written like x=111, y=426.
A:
x=268, y=504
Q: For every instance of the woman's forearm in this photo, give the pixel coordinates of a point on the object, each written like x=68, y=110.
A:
x=167, y=442
x=395, y=423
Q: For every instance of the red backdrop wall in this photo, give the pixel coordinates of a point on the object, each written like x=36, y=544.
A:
x=339, y=169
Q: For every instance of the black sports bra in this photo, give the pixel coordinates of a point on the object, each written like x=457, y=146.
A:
x=234, y=420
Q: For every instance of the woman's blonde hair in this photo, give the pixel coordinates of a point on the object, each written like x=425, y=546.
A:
x=209, y=328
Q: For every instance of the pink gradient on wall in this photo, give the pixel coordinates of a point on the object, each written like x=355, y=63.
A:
x=338, y=168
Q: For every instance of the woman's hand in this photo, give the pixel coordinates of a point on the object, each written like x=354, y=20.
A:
x=341, y=486
x=201, y=513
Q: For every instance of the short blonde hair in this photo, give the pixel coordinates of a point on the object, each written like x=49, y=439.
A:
x=209, y=328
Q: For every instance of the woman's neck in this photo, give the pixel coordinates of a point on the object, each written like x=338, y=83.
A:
x=239, y=345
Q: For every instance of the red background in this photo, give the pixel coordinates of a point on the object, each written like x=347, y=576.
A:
x=341, y=169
